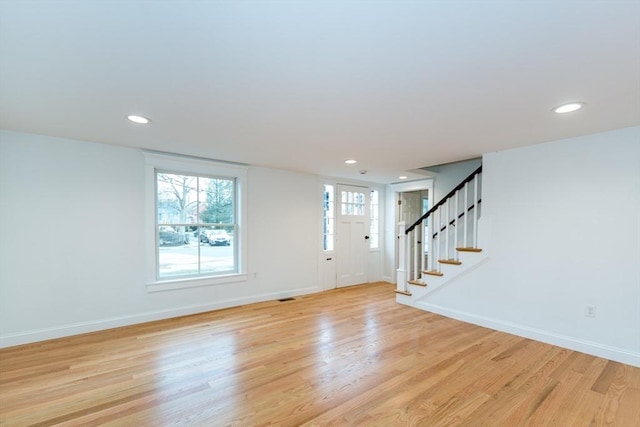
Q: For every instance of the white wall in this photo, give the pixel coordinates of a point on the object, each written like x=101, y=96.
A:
x=72, y=240
x=563, y=227
x=449, y=176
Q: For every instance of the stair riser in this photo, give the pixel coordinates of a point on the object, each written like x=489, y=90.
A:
x=471, y=261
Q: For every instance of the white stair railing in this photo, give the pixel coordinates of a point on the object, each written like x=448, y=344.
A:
x=451, y=224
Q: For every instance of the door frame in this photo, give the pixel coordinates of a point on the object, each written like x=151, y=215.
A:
x=397, y=189
x=376, y=258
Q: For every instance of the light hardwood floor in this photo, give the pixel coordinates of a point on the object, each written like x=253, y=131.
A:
x=350, y=357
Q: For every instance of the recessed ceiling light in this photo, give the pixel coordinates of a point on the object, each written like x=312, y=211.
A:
x=568, y=108
x=138, y=119
x=402, y=177
x=350, y=161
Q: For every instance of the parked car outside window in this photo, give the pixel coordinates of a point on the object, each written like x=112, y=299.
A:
x=218, y=237
x=202, y=235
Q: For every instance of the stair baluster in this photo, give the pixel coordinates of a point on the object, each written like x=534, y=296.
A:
x=447, y=215
x=455, y=226
x=466, y=222
x=476, y=200
x=416, y=252
x=425, y=235
x=424, y=246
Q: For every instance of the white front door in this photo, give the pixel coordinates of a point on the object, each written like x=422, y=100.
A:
x=352, y=234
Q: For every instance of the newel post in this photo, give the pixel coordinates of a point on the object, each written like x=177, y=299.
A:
x=401, y=273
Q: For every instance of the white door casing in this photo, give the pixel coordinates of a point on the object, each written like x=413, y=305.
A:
x=410, y=207
x=392, y=235
x=410, y=210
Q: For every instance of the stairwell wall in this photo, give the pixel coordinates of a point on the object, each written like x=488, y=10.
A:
x=450, y=175
x=561, y=228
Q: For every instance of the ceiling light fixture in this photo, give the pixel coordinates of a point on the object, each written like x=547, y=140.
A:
x=350, y=161
x=138, y=119
x=402, y=177
x=568, y=108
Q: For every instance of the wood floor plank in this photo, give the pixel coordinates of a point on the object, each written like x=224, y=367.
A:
x=571, y=402
x=348, y=357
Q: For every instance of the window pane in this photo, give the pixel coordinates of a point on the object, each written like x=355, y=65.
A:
x=374, y=197
x=328, y=215
x=374, y=222
x=177, y=252
x=328, y=224
x=217, y=250
x=328, y=243
x=177, y=198
x=352, y=203
x=218, y=201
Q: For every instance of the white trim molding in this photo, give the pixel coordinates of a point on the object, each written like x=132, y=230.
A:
x=115, y=322
x=593, y=348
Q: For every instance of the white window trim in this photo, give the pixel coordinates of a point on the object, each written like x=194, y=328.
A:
x=185, y=164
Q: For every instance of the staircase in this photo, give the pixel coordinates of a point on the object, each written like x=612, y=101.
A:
x=442, y=244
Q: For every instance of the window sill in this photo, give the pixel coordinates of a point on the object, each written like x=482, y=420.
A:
x=170, y=285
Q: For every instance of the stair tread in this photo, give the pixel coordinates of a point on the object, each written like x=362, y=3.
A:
x=416, y=282
x=462, y=249
x=433, y=273
x=403, y=293
x=449, y=261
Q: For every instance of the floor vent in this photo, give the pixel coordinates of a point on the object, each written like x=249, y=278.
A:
x=286, y=299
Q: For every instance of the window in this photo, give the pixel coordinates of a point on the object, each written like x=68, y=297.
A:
x=352, y=203
x=195, y=225
x=374, y=241
x=328, y=219
x=196, y=216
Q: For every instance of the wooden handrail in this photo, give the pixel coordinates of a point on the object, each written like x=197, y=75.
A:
x=444, y=200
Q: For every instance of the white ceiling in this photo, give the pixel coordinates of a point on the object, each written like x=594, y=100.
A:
x=304, y=85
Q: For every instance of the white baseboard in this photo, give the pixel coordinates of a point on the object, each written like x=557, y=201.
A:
x=115, y=322
x=593, y=348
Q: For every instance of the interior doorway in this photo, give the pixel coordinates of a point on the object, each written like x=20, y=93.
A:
x=418, y=199
x=411, y=206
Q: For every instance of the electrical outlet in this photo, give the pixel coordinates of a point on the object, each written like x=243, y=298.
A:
x=590, y=311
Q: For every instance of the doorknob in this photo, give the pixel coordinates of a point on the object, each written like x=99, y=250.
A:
x=366, y=237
